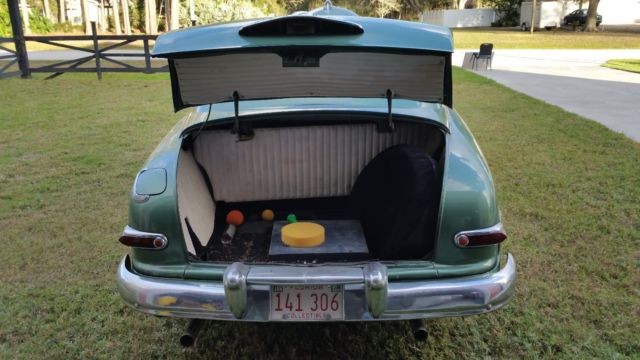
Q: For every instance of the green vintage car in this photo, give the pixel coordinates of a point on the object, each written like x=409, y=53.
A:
x=320, y=175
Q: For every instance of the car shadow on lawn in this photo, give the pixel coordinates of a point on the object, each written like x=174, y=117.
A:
x=295, y=340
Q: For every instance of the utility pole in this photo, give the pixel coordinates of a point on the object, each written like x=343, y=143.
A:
x=18, y=39
x=533, y=15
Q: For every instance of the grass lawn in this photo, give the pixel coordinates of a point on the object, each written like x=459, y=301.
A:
x=70, y=147
x=543, y=39
x=631, y=65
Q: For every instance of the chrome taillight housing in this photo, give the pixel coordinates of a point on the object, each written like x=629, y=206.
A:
x=481, y=237
x=140, y=239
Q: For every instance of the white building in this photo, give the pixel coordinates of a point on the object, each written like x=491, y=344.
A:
x=552, y=13
x=548, y=13
x=460, y=18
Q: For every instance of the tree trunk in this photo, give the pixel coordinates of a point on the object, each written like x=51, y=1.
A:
x=47, y=10
x=102, y=19
x=62, y=11
x=85, y=16
x=174, y=21
x=116, y=16
x=125, y=15
x=25, y=16
x=590, y=24
x=147, y=28
x=153, y=17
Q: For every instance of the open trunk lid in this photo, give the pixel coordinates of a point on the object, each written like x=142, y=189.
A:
x=308, y=55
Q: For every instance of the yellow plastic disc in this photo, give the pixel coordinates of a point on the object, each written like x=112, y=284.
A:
x=303, y=234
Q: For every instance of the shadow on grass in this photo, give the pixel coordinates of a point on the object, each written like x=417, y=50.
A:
x=293, y=340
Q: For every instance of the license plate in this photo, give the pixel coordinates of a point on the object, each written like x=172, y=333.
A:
x=307, y=302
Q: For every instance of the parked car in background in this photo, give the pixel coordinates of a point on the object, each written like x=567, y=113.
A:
x=320, y=175
x=579, y=17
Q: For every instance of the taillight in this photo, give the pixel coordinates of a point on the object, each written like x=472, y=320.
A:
x=481, y=237
x=134, y=238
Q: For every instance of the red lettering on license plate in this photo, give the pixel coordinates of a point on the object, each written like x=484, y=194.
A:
x=307, y=303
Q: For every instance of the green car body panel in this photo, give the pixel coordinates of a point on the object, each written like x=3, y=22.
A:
x=468, y=199
x=380, y=34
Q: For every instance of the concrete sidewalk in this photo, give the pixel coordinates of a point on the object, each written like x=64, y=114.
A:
x=574, y=81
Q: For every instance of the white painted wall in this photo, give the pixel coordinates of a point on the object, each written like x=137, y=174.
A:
x=74, y=12
x=548, y=13
x=551, y=13
x=460, y=18
x=619, y=12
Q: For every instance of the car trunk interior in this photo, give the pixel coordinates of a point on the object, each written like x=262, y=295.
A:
x=367, y=188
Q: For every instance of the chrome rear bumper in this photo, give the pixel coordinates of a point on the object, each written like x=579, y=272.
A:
x=244, y=293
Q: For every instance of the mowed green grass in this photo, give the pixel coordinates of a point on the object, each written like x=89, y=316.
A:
x=631, y=65
x=509, y=38
x=69, y=148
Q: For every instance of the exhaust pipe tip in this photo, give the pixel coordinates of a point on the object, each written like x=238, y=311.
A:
x=191, y=334
x=420, y=332
x=187, y=340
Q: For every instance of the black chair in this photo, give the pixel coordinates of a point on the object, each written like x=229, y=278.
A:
x=485, y=53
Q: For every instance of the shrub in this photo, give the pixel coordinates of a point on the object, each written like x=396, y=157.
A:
x=5, y=23
x=216, y=11
x=507, y=10
x=67, y=27
x=39, y=24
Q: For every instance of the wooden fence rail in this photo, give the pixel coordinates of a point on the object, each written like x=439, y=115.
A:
x=11, y=57
x=97, y=54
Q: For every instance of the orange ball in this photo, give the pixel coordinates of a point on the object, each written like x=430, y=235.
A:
x=268, y=215
x=235, y=217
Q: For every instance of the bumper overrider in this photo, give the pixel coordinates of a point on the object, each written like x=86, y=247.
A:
x=244, y=293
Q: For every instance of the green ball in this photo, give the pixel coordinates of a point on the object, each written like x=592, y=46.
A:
x=291, y=218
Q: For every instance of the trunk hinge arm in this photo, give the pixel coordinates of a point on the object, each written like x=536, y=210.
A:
x=387, y=125
x=244, y=129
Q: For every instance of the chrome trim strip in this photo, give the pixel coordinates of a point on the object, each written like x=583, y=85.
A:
x=138, y=198
x=128, y=230
x=305, y=275
x=491, y=229
x=404, y=300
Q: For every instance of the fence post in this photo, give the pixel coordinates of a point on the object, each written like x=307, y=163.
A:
x=18, y=39
x=96, y=49
x=147, y=56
